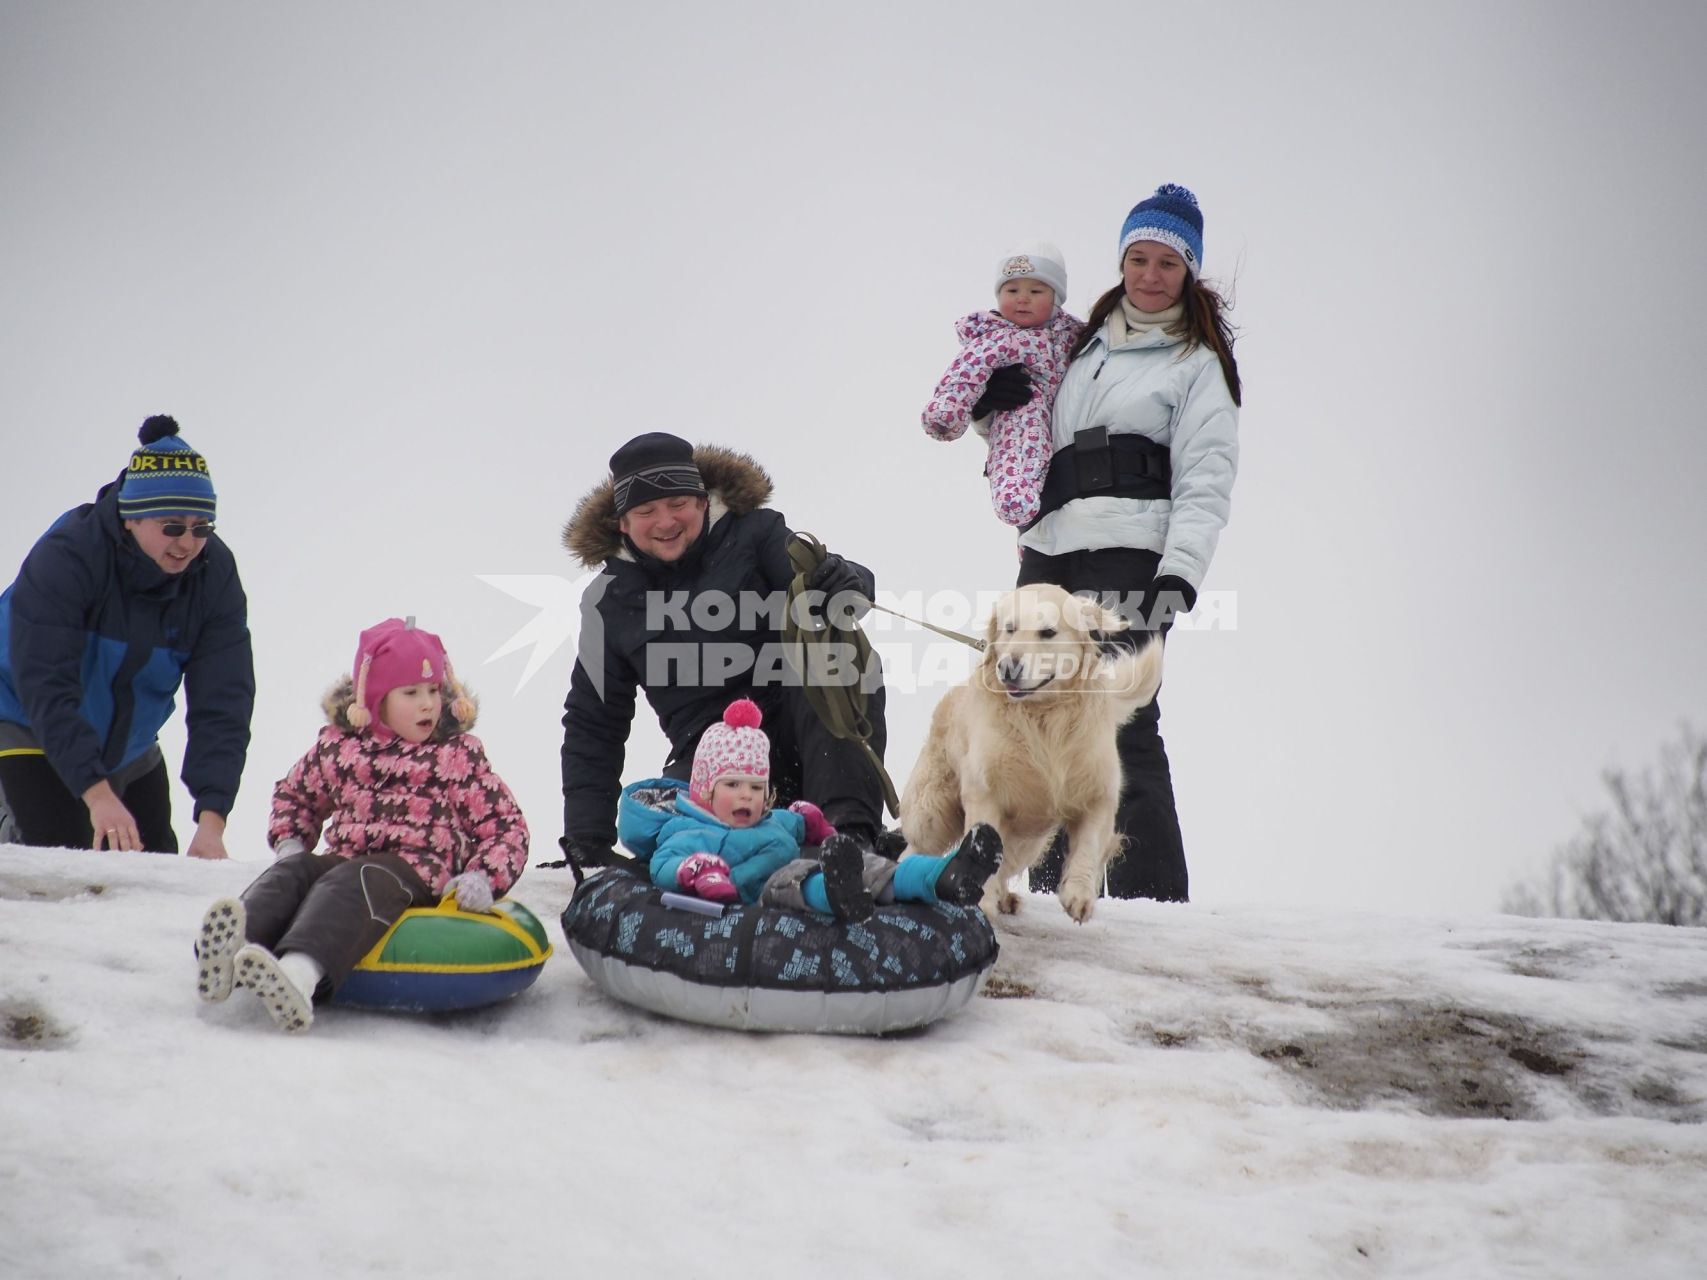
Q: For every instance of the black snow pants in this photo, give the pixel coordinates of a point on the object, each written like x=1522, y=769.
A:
x=331, y=909
x=47, y=815
x=1153, y=864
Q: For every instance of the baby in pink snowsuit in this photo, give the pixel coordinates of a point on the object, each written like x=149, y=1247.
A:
x=1029, y=328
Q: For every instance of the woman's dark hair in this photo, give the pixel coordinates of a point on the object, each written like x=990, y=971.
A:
x=1203, y=318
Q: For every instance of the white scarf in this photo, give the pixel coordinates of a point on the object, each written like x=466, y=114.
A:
x=1126, y=322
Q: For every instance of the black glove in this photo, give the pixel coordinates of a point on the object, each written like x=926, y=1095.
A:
x=1123, y=639
x=844, y=586
x=1166, y=598
x=1008, y=388
x=581, y=855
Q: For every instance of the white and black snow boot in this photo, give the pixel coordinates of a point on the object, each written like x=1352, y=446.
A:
x=259, y=972
x=217, y=942
x=966, y=873
x=843, y=863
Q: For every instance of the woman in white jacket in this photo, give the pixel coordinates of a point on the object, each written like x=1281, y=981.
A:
x=1145, y=450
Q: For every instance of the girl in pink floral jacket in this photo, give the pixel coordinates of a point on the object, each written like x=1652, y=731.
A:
x=1029, y=327
x=410, y=811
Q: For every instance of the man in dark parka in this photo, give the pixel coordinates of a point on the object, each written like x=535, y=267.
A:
x=687, y=609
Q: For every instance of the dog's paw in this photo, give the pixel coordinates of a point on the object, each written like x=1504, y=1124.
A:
x=1077, y=900
x=998, y=900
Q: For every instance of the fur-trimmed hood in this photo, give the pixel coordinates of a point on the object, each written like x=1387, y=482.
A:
x=735, y=481
x=337, y=700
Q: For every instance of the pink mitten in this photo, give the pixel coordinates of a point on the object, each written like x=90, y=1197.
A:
x=818, y=828
x=705, y=875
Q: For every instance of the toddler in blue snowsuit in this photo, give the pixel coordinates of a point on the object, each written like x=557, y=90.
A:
x=721, y=840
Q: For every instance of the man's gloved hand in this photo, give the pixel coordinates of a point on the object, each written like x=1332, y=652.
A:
x=818, y=828
x=1008, y=388
x=582, y=855
x=472, y=890
x=705, y=875
x=844, y=588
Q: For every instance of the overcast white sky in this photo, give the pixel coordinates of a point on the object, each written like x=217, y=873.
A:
x=407, y=273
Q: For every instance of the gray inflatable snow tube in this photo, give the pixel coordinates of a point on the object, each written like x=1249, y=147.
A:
x=766, y=969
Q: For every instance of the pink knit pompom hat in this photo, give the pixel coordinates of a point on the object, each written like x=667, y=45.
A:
x=395, y=653
x=737, y=748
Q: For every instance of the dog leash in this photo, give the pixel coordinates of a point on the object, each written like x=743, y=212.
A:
x=971, y=641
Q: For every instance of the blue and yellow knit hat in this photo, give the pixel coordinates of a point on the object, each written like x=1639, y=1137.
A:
x=1170, y=217
x=165, y=477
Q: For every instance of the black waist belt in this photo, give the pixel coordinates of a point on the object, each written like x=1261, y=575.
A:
x=1098, y=465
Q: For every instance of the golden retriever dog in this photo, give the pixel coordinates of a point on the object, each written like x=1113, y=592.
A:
x=1027, y=744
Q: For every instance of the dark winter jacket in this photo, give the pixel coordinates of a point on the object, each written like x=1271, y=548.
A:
x=438, y=804
x=663, y=829
x=690, y=665
x=95, y=639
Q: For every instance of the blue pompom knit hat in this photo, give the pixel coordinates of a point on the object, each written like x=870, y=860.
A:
x=165, y=476
x=1170, y=217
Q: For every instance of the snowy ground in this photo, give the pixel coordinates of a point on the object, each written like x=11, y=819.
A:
x=1167, y=1091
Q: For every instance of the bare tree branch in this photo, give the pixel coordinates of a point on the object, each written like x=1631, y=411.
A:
x=1643, y=860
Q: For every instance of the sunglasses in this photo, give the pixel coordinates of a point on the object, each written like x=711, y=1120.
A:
x=177, y=529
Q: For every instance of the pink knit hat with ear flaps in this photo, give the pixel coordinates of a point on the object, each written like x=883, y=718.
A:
x=395, y=653
x=737, y=748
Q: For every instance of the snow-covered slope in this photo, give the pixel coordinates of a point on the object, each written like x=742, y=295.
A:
x=1168, y=1091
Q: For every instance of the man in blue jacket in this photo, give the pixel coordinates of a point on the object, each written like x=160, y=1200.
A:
x=122, y=601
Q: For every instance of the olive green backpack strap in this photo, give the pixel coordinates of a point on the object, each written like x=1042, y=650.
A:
x=839, y=705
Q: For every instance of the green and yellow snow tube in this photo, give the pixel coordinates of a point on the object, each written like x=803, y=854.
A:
x=442, y=958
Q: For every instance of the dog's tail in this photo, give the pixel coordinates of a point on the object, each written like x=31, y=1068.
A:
x=1133, y=676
